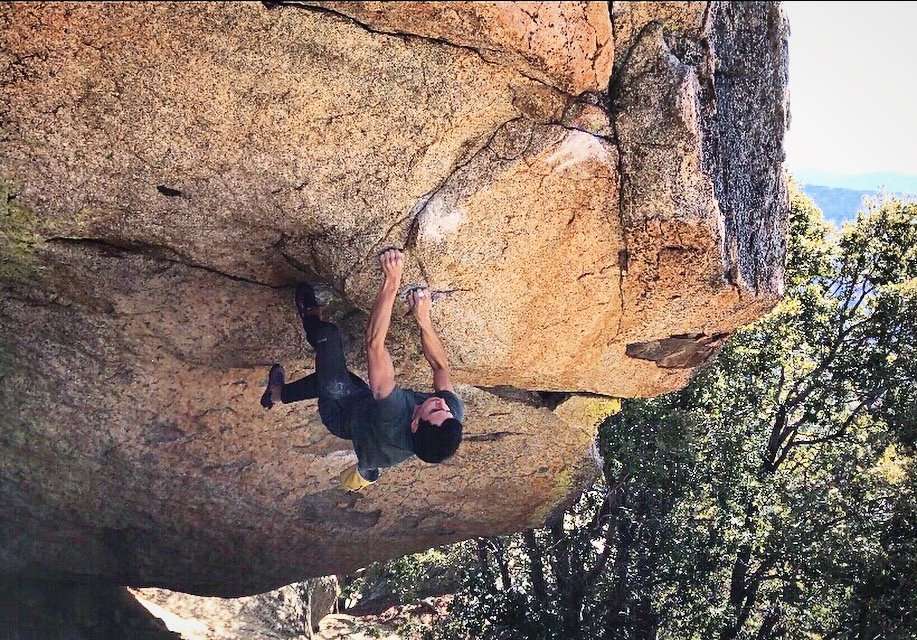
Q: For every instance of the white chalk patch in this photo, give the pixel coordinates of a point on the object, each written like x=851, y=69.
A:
x=576, y=147
x=440, y=220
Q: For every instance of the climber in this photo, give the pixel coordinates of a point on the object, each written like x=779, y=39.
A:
x=386, y=423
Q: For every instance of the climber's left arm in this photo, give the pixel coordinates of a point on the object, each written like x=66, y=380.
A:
x=433, y=349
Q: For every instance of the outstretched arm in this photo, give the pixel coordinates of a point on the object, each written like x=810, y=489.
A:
x=433, y=349
x=379, y=361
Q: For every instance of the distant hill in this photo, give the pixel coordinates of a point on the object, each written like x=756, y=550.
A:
x=840, y=205
x=876, y=181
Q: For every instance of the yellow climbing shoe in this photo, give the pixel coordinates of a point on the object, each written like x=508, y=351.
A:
x=351, y=480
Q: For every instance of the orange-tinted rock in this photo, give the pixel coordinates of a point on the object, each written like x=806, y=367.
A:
x=565, y=44
x=175, y=168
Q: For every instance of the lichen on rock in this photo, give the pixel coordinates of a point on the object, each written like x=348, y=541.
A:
x=18, y=239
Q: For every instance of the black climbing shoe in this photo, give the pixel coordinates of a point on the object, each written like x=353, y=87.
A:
x=275, y=377
x=305, y=299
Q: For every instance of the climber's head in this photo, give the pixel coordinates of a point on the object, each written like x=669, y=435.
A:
x=435, y=431
x=434, y=410
x=435, y=443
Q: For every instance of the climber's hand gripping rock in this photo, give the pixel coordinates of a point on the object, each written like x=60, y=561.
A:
x=392, y=263
x=419, y=301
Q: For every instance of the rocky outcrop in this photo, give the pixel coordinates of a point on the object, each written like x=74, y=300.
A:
x=292, y=612
x=170, y=170
x=377, y=591
x=402, y=622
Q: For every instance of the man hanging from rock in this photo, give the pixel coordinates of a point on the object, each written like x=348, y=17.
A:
x=386, y=423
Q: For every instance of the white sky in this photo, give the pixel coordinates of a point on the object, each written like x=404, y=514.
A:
x=853, y=86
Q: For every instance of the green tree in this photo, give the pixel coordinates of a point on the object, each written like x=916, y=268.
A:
x=772, y=498
x=791, y=424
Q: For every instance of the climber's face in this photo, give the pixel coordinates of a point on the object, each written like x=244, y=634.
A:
x=434, y=410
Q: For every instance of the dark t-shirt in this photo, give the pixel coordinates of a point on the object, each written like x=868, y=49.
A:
x=381, y=429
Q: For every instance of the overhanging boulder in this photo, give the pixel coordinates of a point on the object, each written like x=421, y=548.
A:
x=170, y=170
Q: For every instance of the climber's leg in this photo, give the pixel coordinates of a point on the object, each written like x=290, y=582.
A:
x=271, y=393
x=333, y=384
x=307, y=388
x=331, y=375
x=333, y=380
x=302, y=389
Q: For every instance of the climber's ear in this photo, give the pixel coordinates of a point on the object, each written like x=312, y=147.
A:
x=415, y=420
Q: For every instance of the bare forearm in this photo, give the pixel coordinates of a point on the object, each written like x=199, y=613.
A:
x=433, y=349
x=381, y=317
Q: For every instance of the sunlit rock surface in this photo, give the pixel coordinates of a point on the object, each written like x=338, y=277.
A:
x=292, y=612
x=170, y=170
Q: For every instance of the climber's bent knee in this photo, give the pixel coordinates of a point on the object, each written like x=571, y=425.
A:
x=336, y=390
x=323, y=332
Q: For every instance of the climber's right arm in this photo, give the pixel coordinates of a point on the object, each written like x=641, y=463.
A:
x=433, y=349
x=378, y=359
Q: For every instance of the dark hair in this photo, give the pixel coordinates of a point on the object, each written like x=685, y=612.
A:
x=434, y=444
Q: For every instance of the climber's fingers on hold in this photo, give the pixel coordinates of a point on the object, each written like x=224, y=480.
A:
x=420, y=300
x=391, y=260
x=390, y=255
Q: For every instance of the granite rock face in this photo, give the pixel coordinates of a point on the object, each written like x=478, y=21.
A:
x=595, y=196
x=567, y=45
x=292, y=612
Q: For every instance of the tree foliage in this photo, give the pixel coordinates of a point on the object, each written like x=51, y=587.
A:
x=774, y=497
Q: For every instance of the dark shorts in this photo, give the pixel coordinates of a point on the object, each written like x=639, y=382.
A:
x=336, y=387
x=334, y=408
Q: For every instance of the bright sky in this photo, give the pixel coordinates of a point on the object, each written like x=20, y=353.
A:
x=853, y=86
